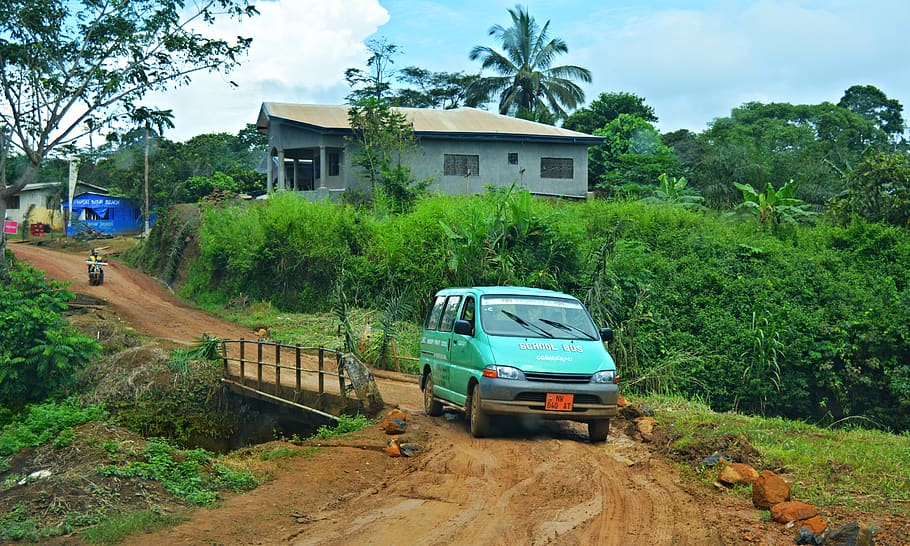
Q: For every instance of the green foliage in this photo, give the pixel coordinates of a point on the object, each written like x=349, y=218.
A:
x=773, y=207
x=196, y=187
x=878, y=190
x=630, y=158
x=41, y=423
x=285, y=250
x=814, y=145
x=674, y=190
x=606, y=108
x=346, y=424
x=192, y=475
x=17, y=525
x=40, y=352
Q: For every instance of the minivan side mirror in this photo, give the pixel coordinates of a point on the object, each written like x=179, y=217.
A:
x=464, y=327
x=606, y=334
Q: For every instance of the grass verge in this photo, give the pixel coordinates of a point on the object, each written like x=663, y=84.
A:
x=851, y=467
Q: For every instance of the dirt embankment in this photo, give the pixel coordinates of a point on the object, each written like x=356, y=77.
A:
x=540, y=485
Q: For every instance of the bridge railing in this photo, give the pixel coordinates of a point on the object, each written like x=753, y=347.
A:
x=267, y=366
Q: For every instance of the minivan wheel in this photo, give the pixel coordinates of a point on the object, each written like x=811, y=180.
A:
x=431, y=406
x=598, y=430
x=480, y=421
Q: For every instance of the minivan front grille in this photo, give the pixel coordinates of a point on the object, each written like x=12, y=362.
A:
x=558, y=377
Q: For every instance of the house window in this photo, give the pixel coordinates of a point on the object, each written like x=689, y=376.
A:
x=334, y=163
x=461, y=165
x=12, y=203
x=556, y=167
x=513, y=158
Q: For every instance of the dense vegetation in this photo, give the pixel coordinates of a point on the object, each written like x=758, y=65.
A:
x=800, y=321
x=40, y=353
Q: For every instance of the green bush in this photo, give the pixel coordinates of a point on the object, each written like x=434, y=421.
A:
x=41, y=423
x=39, y=351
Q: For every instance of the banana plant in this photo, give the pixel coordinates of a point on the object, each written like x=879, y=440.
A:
x=774, y=207
x=675, y=190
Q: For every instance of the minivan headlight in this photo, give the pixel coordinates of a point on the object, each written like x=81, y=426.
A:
x=605, y=376
x=503, y=372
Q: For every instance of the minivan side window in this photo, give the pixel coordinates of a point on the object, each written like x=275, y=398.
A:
x=467, y=313
x=435, y=313
x=448, y=317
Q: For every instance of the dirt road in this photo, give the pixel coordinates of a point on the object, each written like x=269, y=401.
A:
x=141, y=301
x=540, y=485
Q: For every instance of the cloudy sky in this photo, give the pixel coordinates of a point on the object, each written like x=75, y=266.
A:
x=692, y=61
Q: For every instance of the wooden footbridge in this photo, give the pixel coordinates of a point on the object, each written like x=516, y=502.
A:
x=313, y=379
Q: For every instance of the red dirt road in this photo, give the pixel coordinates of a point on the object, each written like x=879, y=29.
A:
x=531, y=486
x=141, y=301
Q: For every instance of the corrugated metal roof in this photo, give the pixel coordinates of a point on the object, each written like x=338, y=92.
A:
x=463, y=121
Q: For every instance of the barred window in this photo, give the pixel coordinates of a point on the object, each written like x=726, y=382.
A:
x=12, y=202
x=556, y=167
x=461, y=165
x=334, y=163
x=513, y=158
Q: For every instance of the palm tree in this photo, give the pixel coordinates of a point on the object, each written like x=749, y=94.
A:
x=160, y=119
x=528, y=85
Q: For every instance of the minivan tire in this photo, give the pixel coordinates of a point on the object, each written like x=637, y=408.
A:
x=431, y=406
x=480, y=421
x=598, y=430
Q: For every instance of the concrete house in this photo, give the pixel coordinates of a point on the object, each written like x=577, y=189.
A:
x=461, y=150
x=41, y=202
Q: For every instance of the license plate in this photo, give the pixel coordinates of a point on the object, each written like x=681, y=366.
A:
x=559, y=402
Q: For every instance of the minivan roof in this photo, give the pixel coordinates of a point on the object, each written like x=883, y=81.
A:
x=503, y=290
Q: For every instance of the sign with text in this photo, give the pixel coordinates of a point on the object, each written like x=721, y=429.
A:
x=10, y=226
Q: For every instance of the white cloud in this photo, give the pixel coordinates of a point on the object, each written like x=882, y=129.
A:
x=299, y=52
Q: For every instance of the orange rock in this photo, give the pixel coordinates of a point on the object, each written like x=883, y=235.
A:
x=769, y=489
x=785, y=512
x=393, y=449
x=621, y=401
x=734, y=473
x=646, y=424
x=394, y=422
x=816, y=525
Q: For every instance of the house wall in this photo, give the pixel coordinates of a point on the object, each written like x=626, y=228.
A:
x=429, y=161
x=40, y=214
x=495, y=169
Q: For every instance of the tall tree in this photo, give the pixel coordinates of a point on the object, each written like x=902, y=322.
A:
x=430, y=89
x=375, y=81
x=528, y=85
x=872, y=103
x=146, y=117
x=607, y=107
x=65, y=62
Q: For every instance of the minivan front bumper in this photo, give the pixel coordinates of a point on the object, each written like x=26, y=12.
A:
x=592, y=401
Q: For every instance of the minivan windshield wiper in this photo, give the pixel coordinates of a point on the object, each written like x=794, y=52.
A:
x=527, y=325
x=567, y=327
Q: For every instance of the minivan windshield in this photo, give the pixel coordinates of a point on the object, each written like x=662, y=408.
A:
x=534, y=316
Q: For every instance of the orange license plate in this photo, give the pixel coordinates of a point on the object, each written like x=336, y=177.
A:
x=559, y=402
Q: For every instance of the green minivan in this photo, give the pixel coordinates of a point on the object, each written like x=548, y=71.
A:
x=506, y=350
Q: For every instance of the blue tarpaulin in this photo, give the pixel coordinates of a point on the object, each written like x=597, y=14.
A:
x=106, y=214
